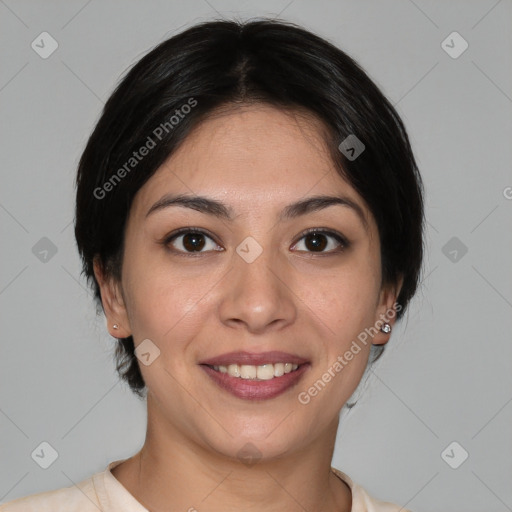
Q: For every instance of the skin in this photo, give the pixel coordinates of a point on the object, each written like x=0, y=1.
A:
x=257, y=160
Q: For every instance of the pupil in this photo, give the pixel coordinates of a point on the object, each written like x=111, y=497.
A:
x=193, y=241
x=318, y=241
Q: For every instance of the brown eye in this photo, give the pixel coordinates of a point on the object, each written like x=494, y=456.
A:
x=193, y=242
x=319, y=241
x=190, y=241
x=316, y=242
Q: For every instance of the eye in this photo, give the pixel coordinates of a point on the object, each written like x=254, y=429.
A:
x=321, y=241
x=191, y=240
x=195, y=240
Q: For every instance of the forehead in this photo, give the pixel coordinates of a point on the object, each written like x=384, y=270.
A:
x=248, y=156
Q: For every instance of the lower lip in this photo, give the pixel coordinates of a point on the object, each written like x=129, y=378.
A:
x=256, y=389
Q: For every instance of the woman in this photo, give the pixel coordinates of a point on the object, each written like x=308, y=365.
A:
x=250, y=216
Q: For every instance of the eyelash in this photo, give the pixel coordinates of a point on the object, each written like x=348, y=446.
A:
x=344, y=243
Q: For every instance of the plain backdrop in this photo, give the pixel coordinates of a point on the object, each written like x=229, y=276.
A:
x=443, y=389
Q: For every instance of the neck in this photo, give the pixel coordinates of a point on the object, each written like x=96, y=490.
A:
x=173, y=472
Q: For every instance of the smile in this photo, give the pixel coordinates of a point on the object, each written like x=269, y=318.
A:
x=256, y=382
x=266, y=371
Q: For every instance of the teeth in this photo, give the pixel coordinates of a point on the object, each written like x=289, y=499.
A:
x=233, y=370
x=248, y=372
x=265, y=372
x=262, y=372
x=278, y=369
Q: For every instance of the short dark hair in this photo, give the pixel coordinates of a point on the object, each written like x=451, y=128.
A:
x=220, y=63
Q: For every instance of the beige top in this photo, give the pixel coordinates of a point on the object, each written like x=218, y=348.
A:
x=104, y=492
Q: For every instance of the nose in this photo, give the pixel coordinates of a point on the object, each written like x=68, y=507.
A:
x=258, y=296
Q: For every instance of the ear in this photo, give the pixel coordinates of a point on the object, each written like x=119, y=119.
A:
x=386, y=311
x=113, y=302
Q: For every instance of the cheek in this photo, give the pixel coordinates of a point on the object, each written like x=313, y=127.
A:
x=165, y=309
x=156, y=297
x=346, y=300
x=166, y=304
x=343, y=309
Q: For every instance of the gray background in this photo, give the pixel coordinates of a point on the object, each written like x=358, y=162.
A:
x=446, y=375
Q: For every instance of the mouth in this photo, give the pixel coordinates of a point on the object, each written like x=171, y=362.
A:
x=256, y=376
x=266, y=371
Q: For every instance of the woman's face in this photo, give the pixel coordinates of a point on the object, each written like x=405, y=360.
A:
x=251, y=288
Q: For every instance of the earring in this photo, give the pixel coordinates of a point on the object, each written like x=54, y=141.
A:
x=386, y=328
x=115, y=326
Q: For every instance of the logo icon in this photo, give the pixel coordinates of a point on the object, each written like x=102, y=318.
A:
x=351, y=147
x=44, y=45
x=249, y=454
x=44, y=455
x=249, y=249
x=454, y=45
x=454, y=249
x=147, y=352
x=44, y=250
x=454, y=455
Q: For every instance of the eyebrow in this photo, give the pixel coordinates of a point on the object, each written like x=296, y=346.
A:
x=218, y=209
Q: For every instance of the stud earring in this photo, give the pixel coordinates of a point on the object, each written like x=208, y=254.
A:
x=386, y=328
x=115, y=326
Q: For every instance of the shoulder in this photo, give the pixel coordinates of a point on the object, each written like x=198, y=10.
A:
x=362, y=501
x=77, y=498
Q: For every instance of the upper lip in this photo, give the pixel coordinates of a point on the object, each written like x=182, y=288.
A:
x=255, y=359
